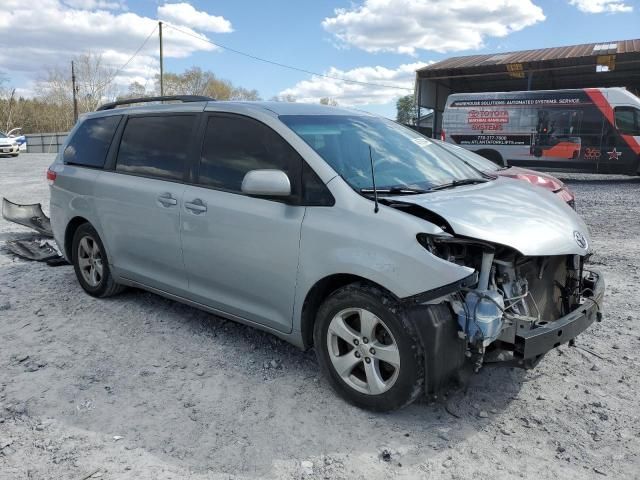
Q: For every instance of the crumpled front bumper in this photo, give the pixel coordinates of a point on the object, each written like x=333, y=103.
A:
x=532, y=344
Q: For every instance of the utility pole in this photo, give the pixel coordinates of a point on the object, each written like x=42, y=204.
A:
x=75, y=99
x=161, y=64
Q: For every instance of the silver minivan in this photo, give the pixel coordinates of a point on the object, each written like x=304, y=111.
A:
x=400, y=263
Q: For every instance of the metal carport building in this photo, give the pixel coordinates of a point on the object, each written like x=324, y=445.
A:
x=604, y=64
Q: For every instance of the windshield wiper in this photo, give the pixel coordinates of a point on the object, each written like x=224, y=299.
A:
x=457, y=183
x=395, y=190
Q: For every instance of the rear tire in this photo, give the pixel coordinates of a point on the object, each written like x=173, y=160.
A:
x=367, y=349
x=91, y=264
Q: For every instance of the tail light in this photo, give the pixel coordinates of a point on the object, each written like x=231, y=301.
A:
x=51, y=176
x=443, y=137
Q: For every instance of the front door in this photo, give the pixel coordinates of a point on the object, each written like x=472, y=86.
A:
x=241, y=252
x=621, y=149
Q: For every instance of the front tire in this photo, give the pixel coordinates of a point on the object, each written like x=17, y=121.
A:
x=91, y=265
x=367, y=349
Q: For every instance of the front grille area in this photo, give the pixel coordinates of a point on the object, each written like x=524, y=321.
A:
x=548, y=282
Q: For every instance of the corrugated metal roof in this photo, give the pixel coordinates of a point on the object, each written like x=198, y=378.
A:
x=543, y=54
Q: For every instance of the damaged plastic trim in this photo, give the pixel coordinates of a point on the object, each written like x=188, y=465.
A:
x=30, y=216
x=440, y=292
x=34, y=249
x=548, y=335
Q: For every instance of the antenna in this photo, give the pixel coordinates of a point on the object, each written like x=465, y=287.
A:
x=373, y=181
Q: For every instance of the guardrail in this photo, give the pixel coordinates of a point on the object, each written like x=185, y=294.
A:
x=45, y=142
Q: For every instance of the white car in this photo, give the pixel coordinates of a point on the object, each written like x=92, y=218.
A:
x=9, y=145
x=21, y=140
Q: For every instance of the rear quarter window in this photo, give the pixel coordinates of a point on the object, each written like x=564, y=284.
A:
x=90, y=142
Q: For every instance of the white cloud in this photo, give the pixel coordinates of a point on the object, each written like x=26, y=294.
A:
x=404, y=26
x=600, y=6
x=355, y=93
x=96, y=4
x=185, y=14
x=32, y=39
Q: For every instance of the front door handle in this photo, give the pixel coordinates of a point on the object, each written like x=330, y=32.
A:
x=197, y=206
x=167, y=200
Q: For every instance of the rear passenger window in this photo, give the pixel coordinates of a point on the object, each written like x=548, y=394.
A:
x=156, y=146
x=235, y=145
x=90, y=143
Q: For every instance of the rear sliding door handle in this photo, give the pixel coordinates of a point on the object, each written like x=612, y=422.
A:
x=197, y=206
x=167, y=200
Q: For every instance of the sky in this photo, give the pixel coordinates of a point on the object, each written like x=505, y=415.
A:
x=376, y=42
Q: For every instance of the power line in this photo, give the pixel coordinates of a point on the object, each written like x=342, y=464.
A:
x=124, y=65
x=290, y=67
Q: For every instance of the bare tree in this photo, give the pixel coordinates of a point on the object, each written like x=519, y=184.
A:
x=195, y=81
x=135, y=90
x=7, y=103
x=94, y=81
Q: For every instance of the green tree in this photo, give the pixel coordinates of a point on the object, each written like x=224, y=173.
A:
x=407, y=113
x=332, y=102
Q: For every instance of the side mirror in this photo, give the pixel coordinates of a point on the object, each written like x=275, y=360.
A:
x=266, y=183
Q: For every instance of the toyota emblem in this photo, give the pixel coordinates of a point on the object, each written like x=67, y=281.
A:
x=580, y=239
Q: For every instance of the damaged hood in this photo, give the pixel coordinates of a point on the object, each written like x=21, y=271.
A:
x=512, y=213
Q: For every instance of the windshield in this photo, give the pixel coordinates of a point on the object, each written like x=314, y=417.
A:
x=402, y=157
x=473, y=159
x=2, y=135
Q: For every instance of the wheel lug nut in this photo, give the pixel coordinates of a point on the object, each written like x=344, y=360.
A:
x=356, y=342
x=367, y=359
x=357, y=354
x=372, y=351
x=365, y=340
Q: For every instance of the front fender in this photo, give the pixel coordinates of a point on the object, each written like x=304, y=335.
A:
x=381, y=248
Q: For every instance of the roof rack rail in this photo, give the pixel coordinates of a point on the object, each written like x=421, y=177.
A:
x=181, y=98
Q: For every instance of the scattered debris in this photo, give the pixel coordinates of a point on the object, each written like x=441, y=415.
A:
x=483, y=414
x=34, y=248
x=385, y=455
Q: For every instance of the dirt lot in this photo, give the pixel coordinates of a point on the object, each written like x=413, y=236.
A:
x=139, y=387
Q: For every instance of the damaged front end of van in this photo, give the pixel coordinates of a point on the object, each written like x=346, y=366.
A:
x=531, y=289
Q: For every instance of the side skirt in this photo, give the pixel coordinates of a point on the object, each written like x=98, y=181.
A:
x=288, y=337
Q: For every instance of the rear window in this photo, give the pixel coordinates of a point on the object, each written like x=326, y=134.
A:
x=155, y=146
x=90, y=143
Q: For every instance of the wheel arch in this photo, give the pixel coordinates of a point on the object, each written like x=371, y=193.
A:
x=70, y=231
x=319, y=292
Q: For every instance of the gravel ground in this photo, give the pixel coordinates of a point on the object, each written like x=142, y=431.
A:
x=139, y=387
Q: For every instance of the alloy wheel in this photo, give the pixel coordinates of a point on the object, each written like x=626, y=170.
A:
x=363, y=351
x=90, y=261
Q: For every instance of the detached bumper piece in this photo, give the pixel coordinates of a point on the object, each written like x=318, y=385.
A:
x=532, y=344
x=30, y=216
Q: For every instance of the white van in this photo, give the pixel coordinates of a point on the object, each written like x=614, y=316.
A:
x=585, y=130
